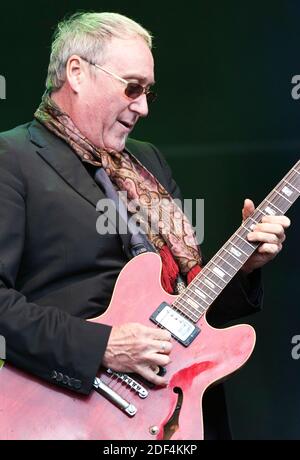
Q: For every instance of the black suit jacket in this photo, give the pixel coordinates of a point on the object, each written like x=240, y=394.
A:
x=55, y=269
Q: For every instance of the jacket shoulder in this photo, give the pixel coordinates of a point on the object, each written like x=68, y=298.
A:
x=14, y=138
x=147, y=153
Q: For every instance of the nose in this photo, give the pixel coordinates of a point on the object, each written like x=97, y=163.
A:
x=140, y=105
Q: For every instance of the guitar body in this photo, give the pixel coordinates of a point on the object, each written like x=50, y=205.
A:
x=33, y=409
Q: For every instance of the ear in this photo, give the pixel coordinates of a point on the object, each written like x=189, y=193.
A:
x=75, y=72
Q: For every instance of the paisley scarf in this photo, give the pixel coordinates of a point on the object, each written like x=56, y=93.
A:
x=159, y=217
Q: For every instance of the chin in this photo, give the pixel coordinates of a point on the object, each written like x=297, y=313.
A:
x=117, y=145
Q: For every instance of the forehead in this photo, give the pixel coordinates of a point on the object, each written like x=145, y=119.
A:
x=130, y=56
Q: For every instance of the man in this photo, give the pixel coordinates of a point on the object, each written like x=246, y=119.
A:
x=55, y=269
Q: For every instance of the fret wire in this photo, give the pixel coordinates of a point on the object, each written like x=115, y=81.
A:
x=207, y=275
x=284, y=197
x=195, y=281
x=180, y=299
x=274, y=199
x=243, y=232
x=271, y=203
x=254, y=220
x=233, y=256
x=223, y=268
x=240, y=249
x=202, y=300
x=226, y=261
x=215, y=263
x=249, y=244
x=295, y=177
x=192, y=293
x=216, y=274
x=291, y=185
x=272, y=192
x=293, y=189
x=199, y=287
x=244, y=226
x=278, y=202
x=213, y=278
x=281, y=183
x=290, y=176
x=267, y=204
x=197, y=314
x=291, y=179
x=186, y=308
x=211, y=298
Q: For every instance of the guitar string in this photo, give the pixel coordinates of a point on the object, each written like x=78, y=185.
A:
x=195, y=311
x=272, y=198
x=277, y=199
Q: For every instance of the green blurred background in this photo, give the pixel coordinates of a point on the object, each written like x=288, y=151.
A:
x=228, y=125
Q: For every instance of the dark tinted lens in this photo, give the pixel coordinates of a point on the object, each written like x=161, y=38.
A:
x=134, y=90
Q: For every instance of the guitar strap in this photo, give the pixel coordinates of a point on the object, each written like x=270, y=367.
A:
x=134, y=241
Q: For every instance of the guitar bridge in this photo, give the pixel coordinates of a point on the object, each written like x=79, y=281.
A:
x=182, y=329
x=112, y=396
x=130, y=382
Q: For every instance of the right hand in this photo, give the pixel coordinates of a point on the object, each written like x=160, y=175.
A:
x=133, y=347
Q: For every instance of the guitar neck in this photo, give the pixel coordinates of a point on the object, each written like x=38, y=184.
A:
x=219, y=271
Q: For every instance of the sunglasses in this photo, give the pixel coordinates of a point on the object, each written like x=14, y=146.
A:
x=132, y=90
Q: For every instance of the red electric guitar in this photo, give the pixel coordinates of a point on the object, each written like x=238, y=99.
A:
x=127, y=407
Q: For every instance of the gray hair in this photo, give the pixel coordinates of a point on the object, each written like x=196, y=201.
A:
x=86, y=34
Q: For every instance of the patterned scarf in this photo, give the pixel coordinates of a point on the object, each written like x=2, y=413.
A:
x=160, y=218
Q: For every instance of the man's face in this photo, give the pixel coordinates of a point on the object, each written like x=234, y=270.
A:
x=107, y=115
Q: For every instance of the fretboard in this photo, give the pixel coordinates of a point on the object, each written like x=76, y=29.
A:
x=195, y=300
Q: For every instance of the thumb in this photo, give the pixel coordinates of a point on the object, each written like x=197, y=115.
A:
x=248, y=208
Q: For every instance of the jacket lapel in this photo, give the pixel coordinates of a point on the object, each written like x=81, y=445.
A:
x=65, y=162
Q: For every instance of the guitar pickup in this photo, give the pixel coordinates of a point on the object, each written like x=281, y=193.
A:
x=181, y=328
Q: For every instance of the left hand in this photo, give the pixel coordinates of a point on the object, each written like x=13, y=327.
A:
x=270, y=233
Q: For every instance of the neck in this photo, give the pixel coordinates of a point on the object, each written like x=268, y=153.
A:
x=63, y=99
x=68, y=103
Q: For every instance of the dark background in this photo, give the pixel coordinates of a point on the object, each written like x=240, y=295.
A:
x=228, y=125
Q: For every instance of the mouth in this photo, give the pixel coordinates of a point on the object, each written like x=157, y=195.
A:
x=128, y=126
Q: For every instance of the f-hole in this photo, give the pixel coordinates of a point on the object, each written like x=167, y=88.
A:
x=172, y=425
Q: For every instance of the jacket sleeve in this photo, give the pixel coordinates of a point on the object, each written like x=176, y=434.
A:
x=44, y=341
x=243, y=295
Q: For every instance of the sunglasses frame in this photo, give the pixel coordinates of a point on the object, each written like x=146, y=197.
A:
x=150, y=95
